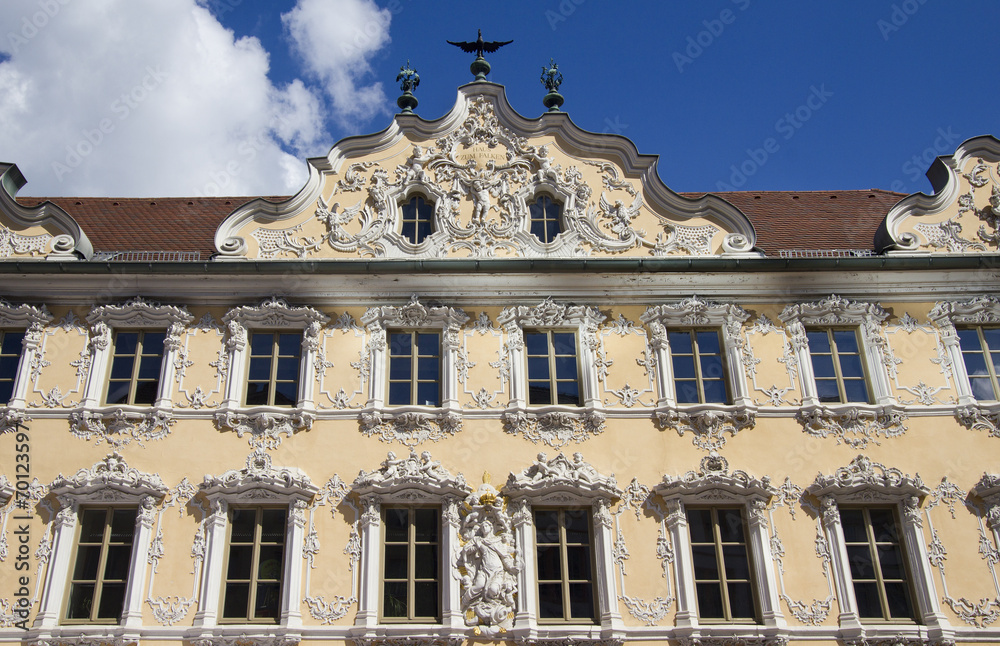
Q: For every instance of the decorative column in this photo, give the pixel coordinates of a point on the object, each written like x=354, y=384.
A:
x=98, y=346
x=840, y=565
x=370, y=564
x=211, y=580
x=132, y=612
x=307, y=364
x=451, y=608
x=527, y=589
x=515, y=358
x=54, y=589
x=588, y=344
x=376, y=378
x=450, y=345
x=236, y=347
x=916, y=556
x=607, y=596
x=31, y=343
x=291, y=602
x=763, y=563
x=172, y=344
x=687, y=605
x=660, y=344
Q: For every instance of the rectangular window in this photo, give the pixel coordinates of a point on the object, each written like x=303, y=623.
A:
x=273, y=375
x=723, y=581
x=553, y=369
x=981, y=353
x=878, y=563
x=699, y=367
x=418, y=219
x=135, y=367
x=10, y=357
x=838, y=366
x=565, y=565
x=102, y=565
x=414, y=368
x=255, y=562
x=411, y=570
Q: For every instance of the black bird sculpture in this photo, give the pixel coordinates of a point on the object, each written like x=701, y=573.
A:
x=480, y=46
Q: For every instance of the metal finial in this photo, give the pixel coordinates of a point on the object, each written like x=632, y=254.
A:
x=480, y=68
x=408, y=80
x=552, y=78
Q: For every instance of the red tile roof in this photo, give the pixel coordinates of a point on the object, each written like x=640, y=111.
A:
x=784, y=220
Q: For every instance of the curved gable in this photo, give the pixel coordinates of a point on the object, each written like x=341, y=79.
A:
x=481, y=166
x=38, y=232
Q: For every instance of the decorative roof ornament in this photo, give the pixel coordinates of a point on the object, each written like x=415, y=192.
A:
x=480, y=68
x=408, y=80
x=552, y=78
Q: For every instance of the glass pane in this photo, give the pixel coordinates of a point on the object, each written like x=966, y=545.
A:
x=968, y=339
x=400, y=368
x=12, y=342
x=408, y=230
x=710, y=601
x=146, y=392
x=288, y=369
x=126, y=342
x=823, y=366
x=81, y=601
x=890, y=558
x=425, y=599
x=8, y=366
x=741, y=600
x=539, y=393
x=550, y=600
x=117, y=562
x=428, y=394
x=898, y=596
x=261, y=343
x=992, y=337
x=428, y=344
x=536, y=343
x=428, y=368
x=121, y=367
x=715, y=392
x=577, y=526
x=856, y=390
x=565, y=367
x=396, y=523
x=731, y=526
x=853, y=523
x=546, y=526
x=152, y=342
x=260, y=369
x=818, y=341
x=846, y=340
x=87, y=561
x=425, y=561
x=396, y=561
x=237, y=598
x=286, y=393
x=268, y=600
x=869, y=605
x=578, y=562
x=735, y=559
x=975, y=364
x=683, y=366
x=92, y=525
x=711, y=367
x=538, y=367
x=272, y=528
x=426, y=524
x=860, y=559
x=850, y=366
x=827, y=391
x=883, y=525
x=982, y=389
x=394, y=599
x=708, y=342
x=269, y=563
x=399, y=393
x=112, y=601
x=581, y=601
x=564, y=343
x=243, y=521
x=700, y=524
x=706, y=567
x=257, y=393
x=6, y=390
x=687, y=392
x=548, y=563
x=400, y=344
x=289, y=345
x=569, y=393
x=680, y=343
x=240, y=562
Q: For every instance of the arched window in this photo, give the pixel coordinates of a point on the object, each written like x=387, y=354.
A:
x=544, y=217
x=418, y=215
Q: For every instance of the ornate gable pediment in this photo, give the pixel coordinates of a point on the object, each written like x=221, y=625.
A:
x=419, y=473
x=714, y=482
x=260, y=479
x=112, y=475
x=863, y=479
x=547, y=479
x=963, y=213
x=481, y=167
x=39, y=232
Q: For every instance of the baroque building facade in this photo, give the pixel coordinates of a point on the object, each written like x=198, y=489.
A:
x=486, y=378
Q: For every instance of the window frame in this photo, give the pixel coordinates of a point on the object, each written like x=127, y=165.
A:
x=409, y=198
x=137, y=357
x=110, y=483
x=564, y=574
x=414, y=356
x=100, y=580
x=257, y=545
x=560, y=206
x=838, y=367
x=32, y=321
x=553, y=378
x=274, y=358
x=411, y=578
x=984, y=351
x=723, y=579
x=696, y=355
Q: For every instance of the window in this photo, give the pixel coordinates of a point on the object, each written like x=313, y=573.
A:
x=102, y=565
x=135, y=367
x=981, y=356
x=877, y=562
x=252, y=586
x=273, y=375
x=722, y=575
x=553, y=370
x=698, y=367
x=414, y=368
x=544, y=218
x=410, y=585
x=10, y=356
x=418, y=218
x=838, y=366
x=565, y=564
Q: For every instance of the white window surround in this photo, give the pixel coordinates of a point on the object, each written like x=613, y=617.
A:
x=257, y=484
x=134, y=314
x=32, y=320
x=564, y=482
x=411, y=424
x=109, y=483
x=865, y=482
x=271, y=314
x=988, y=490
x=413, y=480
x=713, y=484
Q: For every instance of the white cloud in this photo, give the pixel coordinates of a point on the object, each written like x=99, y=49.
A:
x=119, y=97
x=336, y=40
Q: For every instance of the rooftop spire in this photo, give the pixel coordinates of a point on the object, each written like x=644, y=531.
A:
x=552, y=78
x=480, y=68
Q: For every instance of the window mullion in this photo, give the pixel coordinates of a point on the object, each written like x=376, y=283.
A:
x=411, y=566
x=414, y=368
x=696, y=355
x=720, y=560
x=835, y=357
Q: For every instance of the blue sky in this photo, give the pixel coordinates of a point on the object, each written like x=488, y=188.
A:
x=732, y=94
